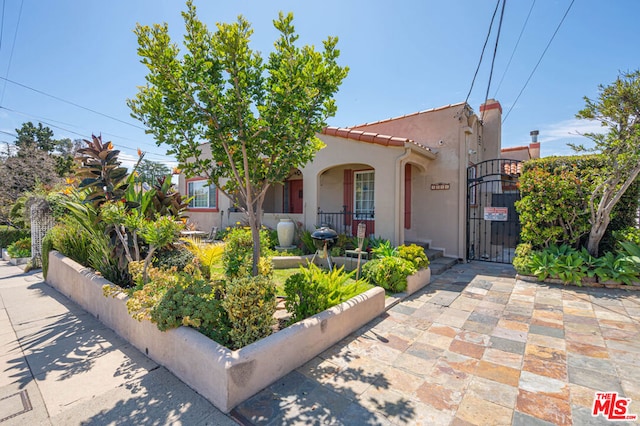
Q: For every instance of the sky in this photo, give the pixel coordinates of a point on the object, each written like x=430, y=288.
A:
x=72, y=64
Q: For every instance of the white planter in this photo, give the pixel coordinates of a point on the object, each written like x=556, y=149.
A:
x=286, y=229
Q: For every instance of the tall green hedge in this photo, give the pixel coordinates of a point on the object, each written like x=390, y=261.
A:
x=554, y=206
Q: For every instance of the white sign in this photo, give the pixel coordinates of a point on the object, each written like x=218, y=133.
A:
x=498, y=214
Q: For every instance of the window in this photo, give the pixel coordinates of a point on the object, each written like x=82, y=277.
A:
x=204, y=196
x=364, y=190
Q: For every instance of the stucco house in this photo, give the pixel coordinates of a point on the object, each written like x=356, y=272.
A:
x=405, y=177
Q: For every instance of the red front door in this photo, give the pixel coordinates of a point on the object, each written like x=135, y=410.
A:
x=295, y=196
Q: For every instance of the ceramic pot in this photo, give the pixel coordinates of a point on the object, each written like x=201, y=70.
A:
x=286, y=228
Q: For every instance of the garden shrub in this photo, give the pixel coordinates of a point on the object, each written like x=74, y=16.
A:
x=554, y=210
x=238, y=253
x=414, y=254
x=249, y=304
x=384, y=249
x=313, y=290
x=389, y=273
x=72, y=241
x=9, y=235
x=172, y=257
x=20, y=248
x=186, y=298
x=572, y=266
x=522, y=258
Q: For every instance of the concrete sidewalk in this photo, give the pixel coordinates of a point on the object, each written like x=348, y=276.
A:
x=59, y=365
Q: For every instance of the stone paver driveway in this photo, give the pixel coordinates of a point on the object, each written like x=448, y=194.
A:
x=476, y=347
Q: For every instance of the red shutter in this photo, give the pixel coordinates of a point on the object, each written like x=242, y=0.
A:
x=348, y=194
x=407, y=196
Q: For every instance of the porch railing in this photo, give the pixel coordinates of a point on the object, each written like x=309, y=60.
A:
x=345, y=222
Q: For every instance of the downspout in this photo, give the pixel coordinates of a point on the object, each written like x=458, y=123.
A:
x=399, y=201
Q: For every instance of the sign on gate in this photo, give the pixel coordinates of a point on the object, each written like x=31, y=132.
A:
x=496, y=214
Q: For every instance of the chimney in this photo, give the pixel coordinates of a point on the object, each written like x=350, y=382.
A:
x=534, y=146
x=491, y=115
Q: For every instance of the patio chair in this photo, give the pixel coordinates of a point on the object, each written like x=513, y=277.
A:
x=212, y=235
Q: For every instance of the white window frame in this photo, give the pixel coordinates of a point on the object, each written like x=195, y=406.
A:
x=364, y=185
x=197, y=190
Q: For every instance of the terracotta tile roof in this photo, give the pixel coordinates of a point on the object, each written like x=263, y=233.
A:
x=515, y=148
x=359, y=135
x=426, y=111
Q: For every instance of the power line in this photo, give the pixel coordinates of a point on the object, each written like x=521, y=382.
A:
x=72, y=103
x=45, y=121
x=514, y=49
x=495, y=53
x=82, y=135
x=539, y=60
x=482, y=53
x=2, y=23
x=13, y=45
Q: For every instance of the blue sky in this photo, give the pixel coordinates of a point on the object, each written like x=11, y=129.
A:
x=404, y=56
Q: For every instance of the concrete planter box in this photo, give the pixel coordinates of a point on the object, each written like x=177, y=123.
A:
x=5, y=255
x=19, y=260
x=224, y=377
x=418, y=280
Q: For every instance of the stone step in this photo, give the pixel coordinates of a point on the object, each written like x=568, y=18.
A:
x=441, y=264
x=433, y=254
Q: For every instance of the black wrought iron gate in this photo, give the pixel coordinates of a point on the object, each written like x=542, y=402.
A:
x=493, y=226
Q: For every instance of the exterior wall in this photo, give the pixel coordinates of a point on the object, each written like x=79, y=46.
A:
x=323, y=184
x=460, y=139
x=453, y=132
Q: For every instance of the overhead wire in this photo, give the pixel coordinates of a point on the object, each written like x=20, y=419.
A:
x=13, y=45
x=486, y=40
x=48, y=120
x=539, y=60
x=72, y=103
x=514, y=49
x=495, y=53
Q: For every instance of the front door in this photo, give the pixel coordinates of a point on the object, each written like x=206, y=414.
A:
x=295, y=196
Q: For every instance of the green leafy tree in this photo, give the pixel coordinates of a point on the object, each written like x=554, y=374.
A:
x=617, y=108
x=150, y=171
x=39, y=136
x=231, y=117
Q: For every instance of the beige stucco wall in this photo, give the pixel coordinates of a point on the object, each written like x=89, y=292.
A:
x=326, y=192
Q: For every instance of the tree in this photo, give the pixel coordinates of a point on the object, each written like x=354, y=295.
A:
x=40, y=137
x=618, y=109
x=150, y=171
x=231, y=117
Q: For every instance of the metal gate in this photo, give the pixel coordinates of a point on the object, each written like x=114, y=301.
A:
x=493, y=225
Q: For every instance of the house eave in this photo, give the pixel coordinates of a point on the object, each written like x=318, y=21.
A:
x=421, y=150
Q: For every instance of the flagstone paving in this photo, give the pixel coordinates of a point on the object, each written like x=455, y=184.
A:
x=475, y=347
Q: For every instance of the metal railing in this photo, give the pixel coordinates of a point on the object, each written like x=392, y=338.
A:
x=343, y=222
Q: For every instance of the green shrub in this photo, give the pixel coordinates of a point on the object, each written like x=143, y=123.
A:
x=384, y=249
x=619, y=268
x=313, y=290
x=414, y=254
x=171, y=300
x=250, y=304
x=168, y=258
x=389, y=273
x=522, y=259
x=71, y=240
x=628, y=234
x=10, y=235
x=20, y=248
x=238, y=253
x=554, y=210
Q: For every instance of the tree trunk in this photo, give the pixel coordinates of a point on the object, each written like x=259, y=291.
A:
x=254, y=224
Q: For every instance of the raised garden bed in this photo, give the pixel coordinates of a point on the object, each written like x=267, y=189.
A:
x=224, y=377
x=586, y=282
